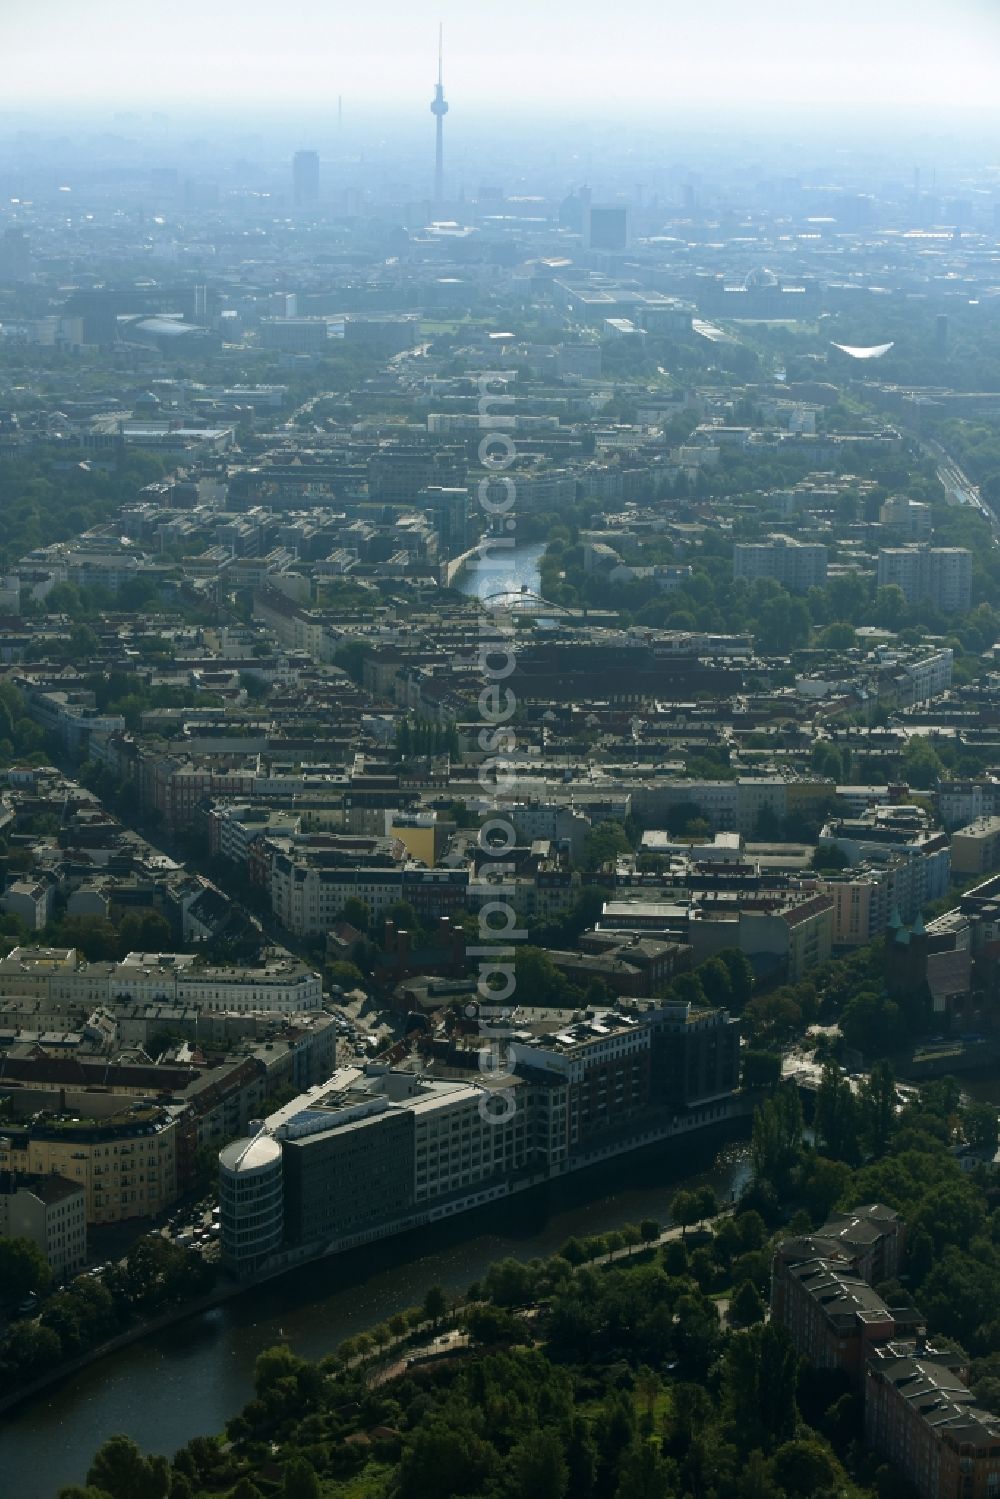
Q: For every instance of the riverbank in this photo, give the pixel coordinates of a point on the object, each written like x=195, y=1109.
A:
x=187, y=1378
x=506, y=571
x=450, y=572
x=357, y=1244
x=124, y=1339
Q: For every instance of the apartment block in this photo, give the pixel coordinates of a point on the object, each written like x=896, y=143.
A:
x=798, y=565
x=922, y=1417
x=126, y=1163
x=919, y=1413
x=51, y=1211
x=975, y=849
x=939, y=576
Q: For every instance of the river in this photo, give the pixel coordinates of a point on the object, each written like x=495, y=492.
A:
x=519, y=569
x=188, y=1379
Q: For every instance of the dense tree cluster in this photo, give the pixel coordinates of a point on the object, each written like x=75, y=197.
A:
x=609, y=1378
x=154, y=1275
x=44, y=499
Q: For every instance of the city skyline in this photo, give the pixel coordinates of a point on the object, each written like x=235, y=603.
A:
x=644, y=57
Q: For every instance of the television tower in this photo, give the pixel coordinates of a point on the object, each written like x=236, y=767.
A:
x=439, y=108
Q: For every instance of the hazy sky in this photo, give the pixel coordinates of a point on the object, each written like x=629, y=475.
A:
x=592, y=58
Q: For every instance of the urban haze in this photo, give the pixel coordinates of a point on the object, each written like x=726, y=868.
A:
x=500, y=751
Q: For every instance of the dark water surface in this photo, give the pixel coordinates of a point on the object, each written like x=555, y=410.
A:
x=188, y=1379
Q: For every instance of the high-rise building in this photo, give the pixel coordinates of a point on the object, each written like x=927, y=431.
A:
x=449, y=508
x=607, y=228
x=15, y=255
x=799, y=565
x=439, y=108
x=939, y=576
x=305, y=177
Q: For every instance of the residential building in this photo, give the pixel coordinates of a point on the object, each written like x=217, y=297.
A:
x=49, y=1210
x=939, y=576
x=126, y=1162
x=975, y=849
x=798, y=565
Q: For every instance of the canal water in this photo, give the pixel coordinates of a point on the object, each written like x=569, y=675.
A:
x=187, y=1380
x=503, y=573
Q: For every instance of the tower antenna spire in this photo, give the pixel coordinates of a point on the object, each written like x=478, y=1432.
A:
x=439, y=108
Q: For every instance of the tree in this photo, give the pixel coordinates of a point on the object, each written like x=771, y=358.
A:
x=890, y=606
x=951, y=1213
x=356, y=913
x=536, y=1467
x=615, y=1432
x=758, y=1383
x=828, y=856
x=146, y=931
x=675, y=1257
x=877, y=1107
x=120, y=1468
x=29, y=1349
x=761, y=1069
x=95, y=937
x=682, y=815
x=771, y=1018
x=650, y=1230
x=776, y=1137
x=696, y=1334
x=980, y=1127
x=581, y=1459
x=822, y=1183
x=435, y=1304
x=23, y=1269
x=345, y=975
x=444, y=1458
x=538, y=979
x=708, y=1203
x=921, y=765
x=741, y=977
x=604, y=844
x=836, y=1118
x=272, y=1366
x=804, y=1468
x=245, y=1489
x=684, y=1210
x=716, y=982
x=403, y=916
x=871, y=1023
x=83, y=643
x=747, y=1305
x=300, y=1481
x=686, y=988
x=645, y=1474
x=493, y=1326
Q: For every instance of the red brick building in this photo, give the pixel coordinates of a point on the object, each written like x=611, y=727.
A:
x=919, y=1413
x=922, y=1417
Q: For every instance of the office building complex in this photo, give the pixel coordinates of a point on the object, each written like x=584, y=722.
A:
x=386, y=1148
